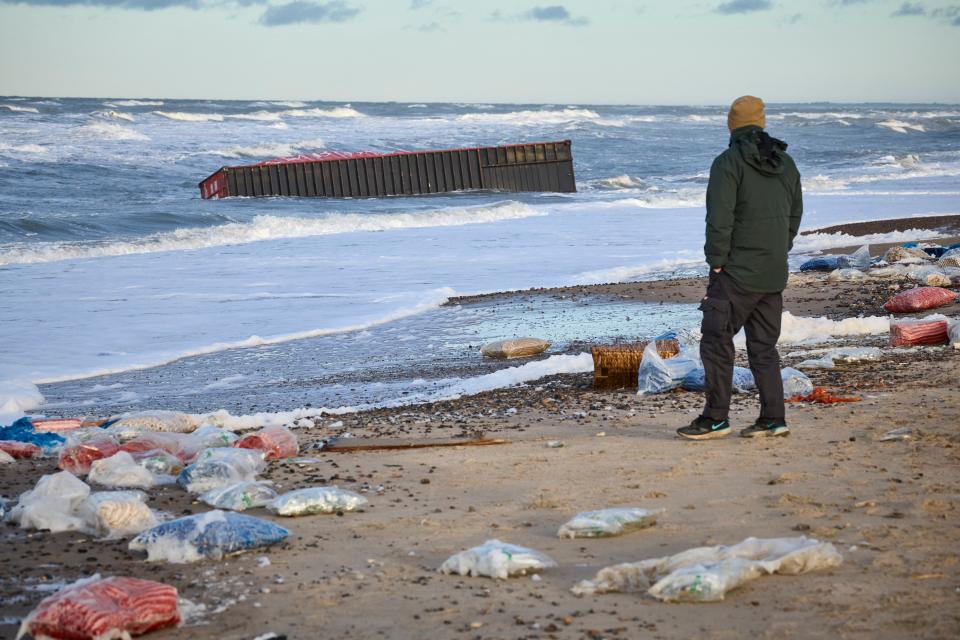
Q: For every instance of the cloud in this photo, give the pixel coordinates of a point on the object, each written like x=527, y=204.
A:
x=847, y=3
x=301, y=11
x=950, y=14
x=429, y=27
x=142, y=5
x=743, y=6
x=909, y=9
x=554, y=13
x=419, y=4
x=795, y=18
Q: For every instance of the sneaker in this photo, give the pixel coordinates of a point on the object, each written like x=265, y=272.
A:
x=704, y=428
x=766, y=428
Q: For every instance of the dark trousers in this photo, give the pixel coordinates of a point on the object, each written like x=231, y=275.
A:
x=726, y=308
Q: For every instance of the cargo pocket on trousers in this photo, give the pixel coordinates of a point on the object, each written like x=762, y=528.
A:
x=716, y=316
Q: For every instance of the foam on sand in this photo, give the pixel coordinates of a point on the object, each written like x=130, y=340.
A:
x=267, y=227
x=799, y=329
x=17, y=397
x=818, y=241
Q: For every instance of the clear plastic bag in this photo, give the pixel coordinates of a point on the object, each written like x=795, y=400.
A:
x=906, y=255
x=240, y=496
x=516, y=348
x=275, y=442
x=795, y=383
x=846, y=275
x=657, y=374
x=159, y=462
x=929, y=275
x=16, y=449
x=706, y=574
x=608, y=522
x=77, y=456
x=314, y=500
x=121, y=470
x=214, y=535
x=860, y=259
x=169, y=442
x=496, y=559
x=98, y=608
x=205, y=437
x=742, y=380
x=953, y=333
x=116, y=514
x=172, y=421
x=844, y=355
x=52, y=504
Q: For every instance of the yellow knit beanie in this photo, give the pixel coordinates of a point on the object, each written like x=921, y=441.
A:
x=746, y=110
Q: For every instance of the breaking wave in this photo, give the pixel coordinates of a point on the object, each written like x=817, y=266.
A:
x=190, y=117
x=266, y=227
x=265, y=116
x=134, y=103
x=31, y=149
x=271, y=150
x=110, y=131
x=530, y=117
x=18, y=109
x=114, y=115
x=336, y=112
x=900, y=126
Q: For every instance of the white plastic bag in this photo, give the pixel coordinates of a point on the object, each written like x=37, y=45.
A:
x=860, y=259
x=52, y=504
x=608, y=522
x=795, y=383
x=174, y=421
x=121, y=470
x=205, y=437
x=5, y=457
x=496, y=559
x=221, y=466
x=657, y=374
x=305, y=502
x=116, y=514
x=845, y=355
x=929, y=275
x=846, y=275
x=953, y=331
x=240, y=496
x=706, y=574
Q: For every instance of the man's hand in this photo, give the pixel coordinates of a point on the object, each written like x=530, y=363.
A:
x=718, y=270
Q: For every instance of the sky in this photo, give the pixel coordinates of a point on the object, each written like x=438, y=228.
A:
x=537, y=51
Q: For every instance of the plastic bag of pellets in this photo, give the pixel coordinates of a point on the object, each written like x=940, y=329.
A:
x=931, y=330
x=214, y=534
x=77, y=456
x=743, y=380
x=497, y=559
x=657, y=374
x=52, y=504
x=205, y=437
x=121, y=470
x=953, y=332
x=159, y=462
x=98, y=608
x=240, y=496
x=795, y=383
x=16, y=449
x=608, y=522
x=169, y=442
x=843, y=355
x=516, y=348
x=305, y=502
x=115, y=514
x=706, y=574
x=221, y=466
x=173, y=421
x=275, y=442
x=846, y=275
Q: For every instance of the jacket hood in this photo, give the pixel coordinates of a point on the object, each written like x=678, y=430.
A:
x=759, y=150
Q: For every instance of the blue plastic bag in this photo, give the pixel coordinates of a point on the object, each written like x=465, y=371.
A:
x=795, y=383
x=824, y=263
x=214, y=534
x=657, y=374
x=23, y=431
x=742, y=380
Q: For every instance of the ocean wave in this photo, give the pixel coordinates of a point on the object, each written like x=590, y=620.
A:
x=31, y=149
x=654, y=198
x=269, y=150
x=530, y=117
x=625, y=273
x=906, y=161
x=336, y=112
x=265, y=116
x=190, y=117
x=900, y=126
x=622, y=182
x=293, y=104
x=113, y=115
x=110, y=131
x=265, y=227
x=19, y=109
x=418, y=105
x=134, y=103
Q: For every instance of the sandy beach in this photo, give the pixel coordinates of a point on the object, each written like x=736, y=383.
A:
x=891, y=508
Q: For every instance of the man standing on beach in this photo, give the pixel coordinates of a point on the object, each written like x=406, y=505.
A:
x=754, y=205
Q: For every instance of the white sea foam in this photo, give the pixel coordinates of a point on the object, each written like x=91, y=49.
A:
x=656, y=199
x=293, y=104
x=561, y=116
x=336, y=112
x=114, y=115
x=798, y=329
x=17, y=397
x=32, y=149
x=190, y=117
x=819, y=241
x=623, y=182
x=267, y=227
x=264, y=116
x=109, y=131
x=19, y=109
x=900, y=126
x=430, y=300
x=134, y=103
x=627, y=273
x=269, y=150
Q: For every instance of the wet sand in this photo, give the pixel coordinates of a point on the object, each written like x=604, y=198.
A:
x=891, y=508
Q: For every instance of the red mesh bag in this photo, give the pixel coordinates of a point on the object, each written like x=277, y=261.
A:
x=913, y=332
x=919, y=299
x=169, y=442
x=77, y=457
x=104, y=608
x=276, y=442
x=20, y=449
x=56, y=424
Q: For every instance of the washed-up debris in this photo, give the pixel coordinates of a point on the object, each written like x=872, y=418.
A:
x=173, y=421
x=894, y=435
x=953, y=333
x=496, y=559
x=20, y=450
x=169, y=442
x=515, y=348
x=214, y=534
x=743, y=380
x=22, y=431
x=846, y=275
x=859, y=259
x=657, y=374
x=114, y=514
x=159, y=462
x=950, y=258
x=205, y=437
x=6, y=458
x=906, y=254
x=52, y=504
x=98, y=608
x=78, y=455
x=843, y=355
x=821, y=395
x=56, y=424
x=608, y=522
x=349, y=445
x=919, y=299
x=122, y=470
x=221, y=466
x=927, y=331
x=554, y=444
x=795, y=383
x=275, y=442
x=617, y=366
x=928, y=275
x=314, y=500
x=240, y=496
x=706, y=574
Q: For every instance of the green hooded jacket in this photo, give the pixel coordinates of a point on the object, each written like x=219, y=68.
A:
x=754, y=206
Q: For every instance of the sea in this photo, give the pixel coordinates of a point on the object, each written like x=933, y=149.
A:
x=112, y=265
